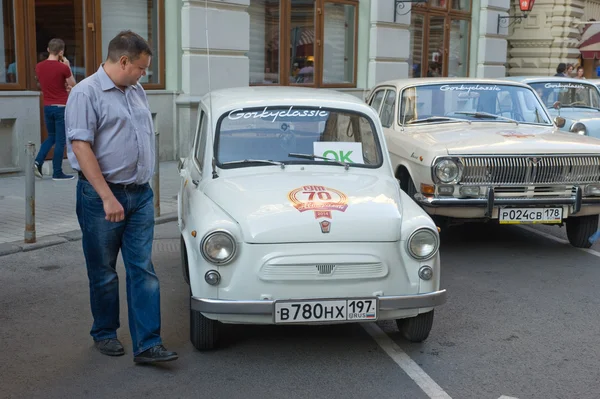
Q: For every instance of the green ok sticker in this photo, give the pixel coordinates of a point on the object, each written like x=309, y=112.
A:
x=339, y=151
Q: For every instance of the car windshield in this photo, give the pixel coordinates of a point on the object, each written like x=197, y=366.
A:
x=288, y=135
x=444, y=103
x=578, y=95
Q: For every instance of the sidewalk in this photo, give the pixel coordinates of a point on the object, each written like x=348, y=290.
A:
x=55, y=218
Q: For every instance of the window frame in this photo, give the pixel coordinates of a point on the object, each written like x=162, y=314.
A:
x=201, y=139
x=161, y=44
x=285, y=15
x=426, y=10
x=20, y=47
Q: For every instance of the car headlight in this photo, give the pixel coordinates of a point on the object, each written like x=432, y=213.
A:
x=218, y=247
x=578, y=128
x=423, y=244
x=447, y=170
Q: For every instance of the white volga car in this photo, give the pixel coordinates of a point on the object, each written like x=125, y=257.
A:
x=290, y=213
x=480, y=150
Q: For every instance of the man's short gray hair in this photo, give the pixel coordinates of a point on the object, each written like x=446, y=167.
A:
x=129, y=44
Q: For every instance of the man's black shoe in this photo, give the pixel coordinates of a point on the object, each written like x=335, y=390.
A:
x=157, y=353
x=110, y=347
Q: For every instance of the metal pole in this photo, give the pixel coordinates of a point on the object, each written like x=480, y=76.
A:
x=30, y=195
x=156, y=176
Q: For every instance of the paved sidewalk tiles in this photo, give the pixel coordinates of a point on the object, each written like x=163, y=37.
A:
x=55, y=218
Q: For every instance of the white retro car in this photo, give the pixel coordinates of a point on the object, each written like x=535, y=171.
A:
x=576, y=100
x=480, y=149
x=290, y=213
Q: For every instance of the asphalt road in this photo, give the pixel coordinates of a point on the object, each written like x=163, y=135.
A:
x=521, y=321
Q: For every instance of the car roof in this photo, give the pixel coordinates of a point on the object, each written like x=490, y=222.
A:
x=225, y=100
x=408, y=82
x=533, y=79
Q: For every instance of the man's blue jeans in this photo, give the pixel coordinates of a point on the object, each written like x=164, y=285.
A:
x=101, y=242
x=55, y=125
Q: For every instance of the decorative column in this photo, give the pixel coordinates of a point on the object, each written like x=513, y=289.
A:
x=492, y=45
x=548, y=36
x=389, y=42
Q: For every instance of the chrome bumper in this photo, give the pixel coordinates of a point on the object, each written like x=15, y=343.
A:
x=576, y=201
x=265, y=307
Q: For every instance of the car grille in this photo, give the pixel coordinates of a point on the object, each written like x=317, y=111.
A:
x=520, y=170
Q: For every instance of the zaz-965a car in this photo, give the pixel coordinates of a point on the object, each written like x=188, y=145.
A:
x=481, y=149
x=290, y=213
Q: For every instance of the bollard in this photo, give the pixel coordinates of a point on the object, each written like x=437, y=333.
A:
x=156, y=177
x=30, y=195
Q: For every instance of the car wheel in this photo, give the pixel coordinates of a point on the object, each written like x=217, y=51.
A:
x=204, y=332
x=579, y=230
x=416, y=329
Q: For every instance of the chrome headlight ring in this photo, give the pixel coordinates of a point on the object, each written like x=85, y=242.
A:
x=218, y=247
x=578, y=128
x=447, y=170
x=423, y=244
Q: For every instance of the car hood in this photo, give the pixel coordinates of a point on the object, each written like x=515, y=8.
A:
x=286, y=206
x=507, y=138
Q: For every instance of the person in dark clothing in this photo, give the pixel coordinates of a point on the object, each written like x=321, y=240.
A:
x=560, y=69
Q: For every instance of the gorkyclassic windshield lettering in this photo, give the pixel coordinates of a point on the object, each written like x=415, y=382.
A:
x=494, y=154
x=289, y=213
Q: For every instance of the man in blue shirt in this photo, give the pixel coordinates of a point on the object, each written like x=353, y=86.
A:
x=110, y=142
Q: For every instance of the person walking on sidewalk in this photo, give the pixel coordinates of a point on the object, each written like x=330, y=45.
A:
x=110, y=142
x=55, y=78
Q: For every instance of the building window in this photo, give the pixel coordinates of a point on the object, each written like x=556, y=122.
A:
x=143, y=17
x=8, y=44
x=264, y=40
x=321, y=37
x=440, y=36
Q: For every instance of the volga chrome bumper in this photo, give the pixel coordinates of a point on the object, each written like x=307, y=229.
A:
x=265, y=307
x=576, y=201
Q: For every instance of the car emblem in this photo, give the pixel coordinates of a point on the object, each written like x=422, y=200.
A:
x=534, y=161
x=325, y=226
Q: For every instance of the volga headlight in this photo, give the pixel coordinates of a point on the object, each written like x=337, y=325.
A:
x=447, y=170
x=218, y=247
x=423, y=244
x=578, y=128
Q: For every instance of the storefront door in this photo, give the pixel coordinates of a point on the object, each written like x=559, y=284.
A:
x=73, y=21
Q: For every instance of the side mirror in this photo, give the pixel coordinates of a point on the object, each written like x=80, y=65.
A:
x=560, y=121
x=556, y=105
x=180, y=164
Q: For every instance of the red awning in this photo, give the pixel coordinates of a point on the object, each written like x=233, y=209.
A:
x=589, y=46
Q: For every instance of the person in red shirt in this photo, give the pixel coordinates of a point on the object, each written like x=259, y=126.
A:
x=55, y=80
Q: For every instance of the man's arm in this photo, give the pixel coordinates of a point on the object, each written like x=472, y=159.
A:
x=80, y=123
x=70, y=78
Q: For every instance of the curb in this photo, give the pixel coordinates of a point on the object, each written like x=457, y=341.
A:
x=10, y=248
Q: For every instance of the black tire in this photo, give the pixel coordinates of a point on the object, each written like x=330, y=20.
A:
x=407, y=185
x=416, y=329
x=579, y=229
x=204, y=332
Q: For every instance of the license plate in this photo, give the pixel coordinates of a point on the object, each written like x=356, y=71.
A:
x=326, y=310
x=530, y=215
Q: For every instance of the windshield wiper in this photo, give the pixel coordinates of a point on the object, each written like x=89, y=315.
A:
x=267, y=161
x=313, y=157
x=486, y=115
x=439, y=119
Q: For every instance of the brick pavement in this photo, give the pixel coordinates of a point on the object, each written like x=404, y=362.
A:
x=55, y=207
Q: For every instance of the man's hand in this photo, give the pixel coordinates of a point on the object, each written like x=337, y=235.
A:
x=89, y=165
x=113, y=209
